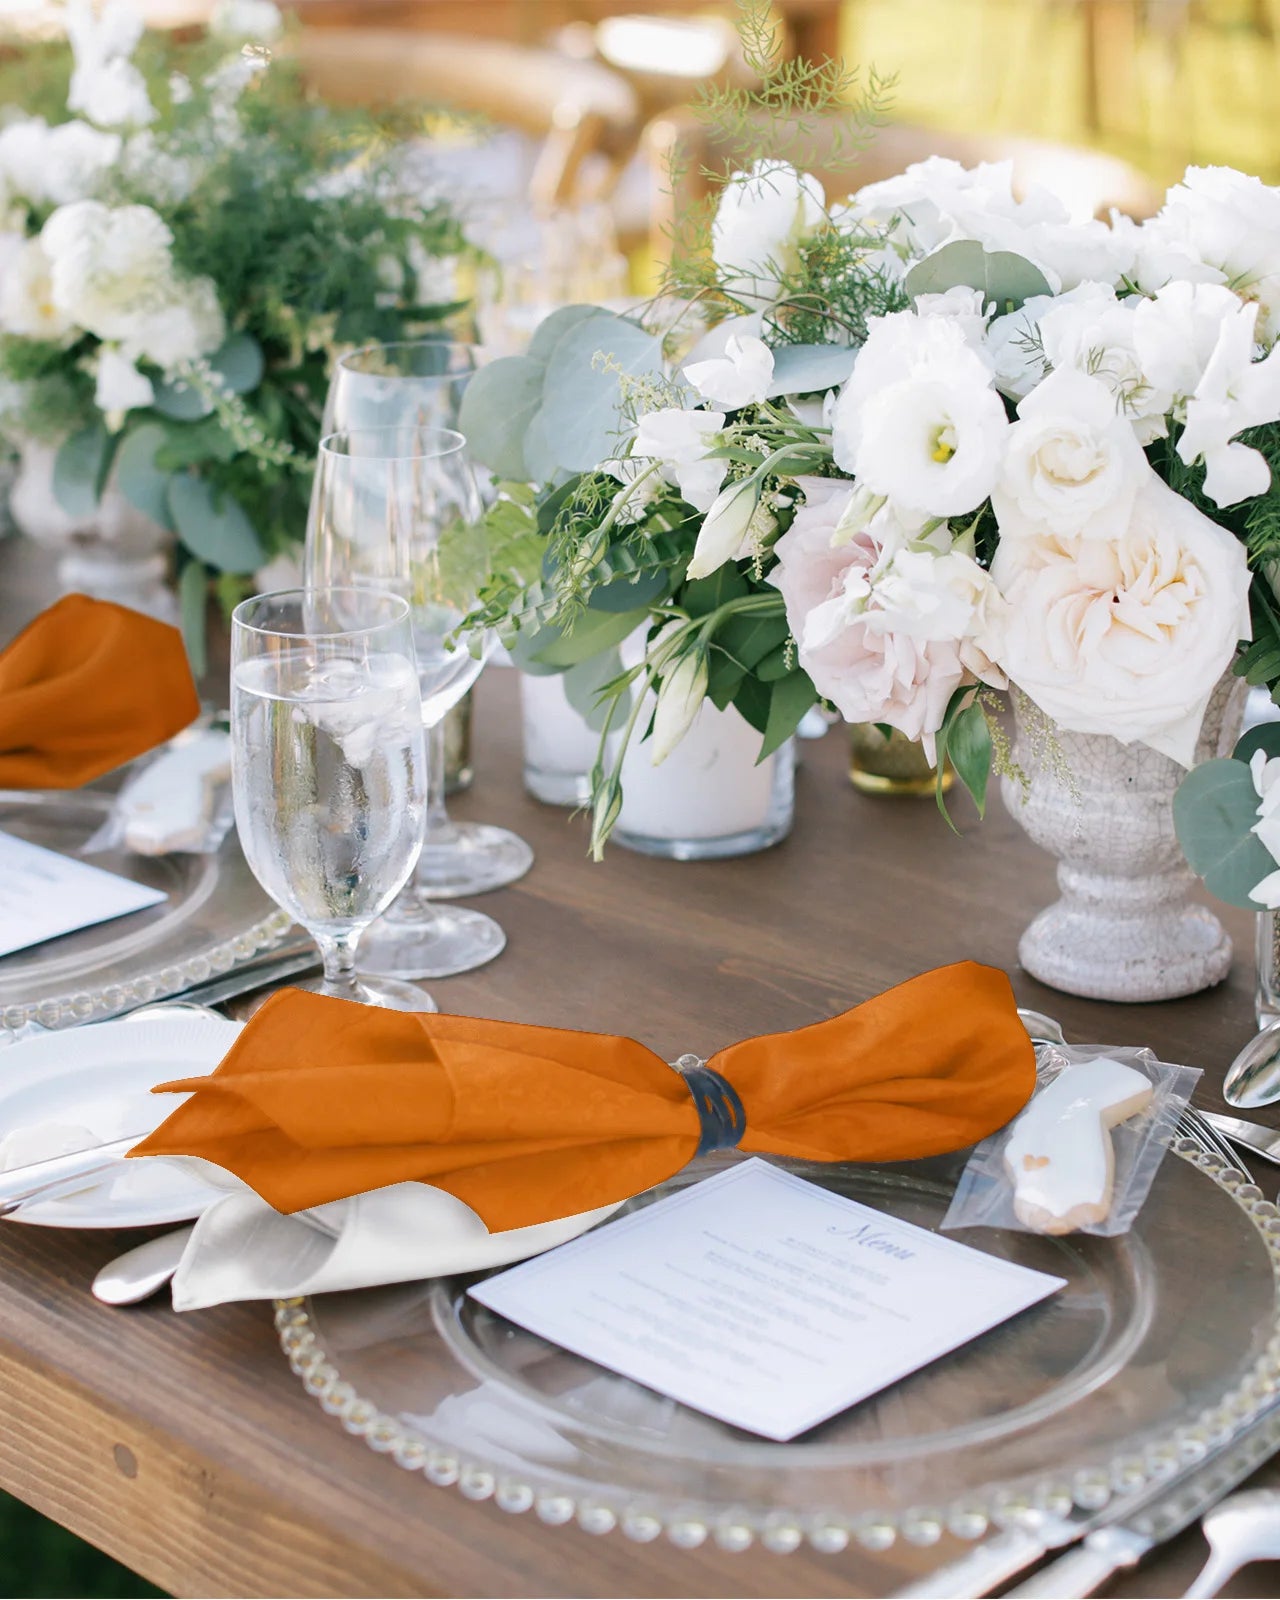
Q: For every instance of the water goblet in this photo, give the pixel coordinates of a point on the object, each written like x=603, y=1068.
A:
x=329, y=767
x=419, y=383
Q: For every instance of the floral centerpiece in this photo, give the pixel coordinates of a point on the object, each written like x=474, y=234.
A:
x=186, y=240
x=939, y=439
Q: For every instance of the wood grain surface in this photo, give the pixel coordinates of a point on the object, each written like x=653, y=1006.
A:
x=184, y=1446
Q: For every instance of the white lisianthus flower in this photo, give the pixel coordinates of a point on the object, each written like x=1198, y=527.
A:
x=679, y=439
x=741, y=377
x=680, y=696
x=764, y=215
x=120, y=386
x=888, y=625
x=108, y=264
x=1014, y=349
x=1176, y=331
x=1159, y=257
x=1235, y=392
x=1229, y=222
x=1127, y=636
x=165, y=177
x=1266, y=780
x=187, y=324
x=27, y=305
x=55, y=166
x=1093, y=332
x=725, y=534
x=1073, y=464
x=966, y=307
x=246, y=19
x=918, y=420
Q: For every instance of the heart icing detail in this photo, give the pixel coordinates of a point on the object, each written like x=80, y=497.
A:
x=1034, y=1163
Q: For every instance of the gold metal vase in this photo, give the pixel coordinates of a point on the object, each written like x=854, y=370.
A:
x=895, y=765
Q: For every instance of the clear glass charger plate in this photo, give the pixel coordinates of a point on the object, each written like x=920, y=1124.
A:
x=215, y=917
x=1163, y=1344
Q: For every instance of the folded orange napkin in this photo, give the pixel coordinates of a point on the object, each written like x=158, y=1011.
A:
x=86, y=687
x=320, y=1099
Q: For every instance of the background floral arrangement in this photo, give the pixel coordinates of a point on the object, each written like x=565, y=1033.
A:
x=180, y=260
x=938, y=440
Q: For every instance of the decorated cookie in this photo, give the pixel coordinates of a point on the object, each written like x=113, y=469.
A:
x=169, y=806
x=1059, y=1153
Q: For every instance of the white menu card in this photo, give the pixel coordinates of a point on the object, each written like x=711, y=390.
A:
x=44, y=894
x=762, y=1299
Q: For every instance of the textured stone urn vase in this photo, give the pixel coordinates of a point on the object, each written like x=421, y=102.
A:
x=1126, y=926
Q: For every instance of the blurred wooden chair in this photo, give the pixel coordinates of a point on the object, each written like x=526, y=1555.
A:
x=1090, y=182
x=586, y=117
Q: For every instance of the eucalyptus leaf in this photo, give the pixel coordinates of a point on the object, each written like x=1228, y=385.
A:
x=181, y=401
x=593, y=632
x=498, y=403
x=625, y=594
x=1214, y=811
x=552, y=329
x=581, y=393
x=80, y=470
x=212, y=526
x=805, y=368
x=583, y=683
x=240, y=363
x=1006, y=279
x=193, y=605
x=144, y=484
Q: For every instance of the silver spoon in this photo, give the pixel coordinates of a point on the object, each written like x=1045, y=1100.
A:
x=1242, y=1528
x=141, y=1272
x=1253, y=1078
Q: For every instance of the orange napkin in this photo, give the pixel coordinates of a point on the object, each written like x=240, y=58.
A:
x=319, y=1099
x=86, y=687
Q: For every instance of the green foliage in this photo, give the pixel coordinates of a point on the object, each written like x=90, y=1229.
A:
x=1005, y=279
x=1214, y=811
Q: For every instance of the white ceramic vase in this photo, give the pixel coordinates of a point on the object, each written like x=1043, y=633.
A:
x=116, y=553
x=1126, y=926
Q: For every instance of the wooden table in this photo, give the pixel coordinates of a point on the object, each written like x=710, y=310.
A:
x=183, y=1445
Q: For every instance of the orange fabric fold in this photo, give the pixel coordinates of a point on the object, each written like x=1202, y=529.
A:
x=86, y=687
x=319, y=1099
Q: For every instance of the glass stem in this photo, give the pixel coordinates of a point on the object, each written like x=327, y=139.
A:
x=439, y=830
x=338, y=951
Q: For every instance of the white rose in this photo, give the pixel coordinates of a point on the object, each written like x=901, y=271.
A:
x=1073, y=464
x=27, y=306
x=918, y=420
x=1128, y=636
x=763, y=217
x=680, y=439
x=1093, y=332
x=108, y=265
x=120, y=386
x=111, y=93
x=188, y=324
x=741, y=377
x=246, y=19
x=1229, y=222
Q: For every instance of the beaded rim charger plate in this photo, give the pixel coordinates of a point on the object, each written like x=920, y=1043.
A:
x=216, y=916
x=1163, y=1343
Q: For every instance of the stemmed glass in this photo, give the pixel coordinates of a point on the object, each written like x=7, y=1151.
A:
x=395, y=509
x=329, y=767
x=419, y=383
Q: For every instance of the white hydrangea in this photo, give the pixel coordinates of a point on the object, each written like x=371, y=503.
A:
x=27, y=304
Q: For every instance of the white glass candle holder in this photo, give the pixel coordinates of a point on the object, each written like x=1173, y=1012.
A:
x=559, y=747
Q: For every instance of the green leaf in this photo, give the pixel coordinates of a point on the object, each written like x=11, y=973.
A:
x=593, y=632
x=776, y=664
x=704, y=595
x=193, y=602
x=1006, y=279
x=724, y=679
x=791, y=698
x=583, y=683
x=581, y=418
x=1214, y=811
x=949, y=718
x=498, y=403
x=1265, y=737
x=212, y=526
x=805, y=368
x=241, y=363
x=752, y=702
x=190, y=444
x=969, y=749
x=181, y=401
x=81, y=468
x=144, y=484
x=749, y=639
x=625, y=594
x=549, y=332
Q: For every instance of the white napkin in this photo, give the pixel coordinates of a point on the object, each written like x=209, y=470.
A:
x=242, y=1249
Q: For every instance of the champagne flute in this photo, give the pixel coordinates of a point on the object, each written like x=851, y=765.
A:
x=395, y=509
x=419, y=383
x=329, y=767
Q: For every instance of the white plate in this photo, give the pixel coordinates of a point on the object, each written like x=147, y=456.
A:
x=100, y=1077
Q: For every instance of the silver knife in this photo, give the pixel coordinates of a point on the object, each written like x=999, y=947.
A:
x=1264, y=1142
x=1165, y=1510
x=1115, y=1536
